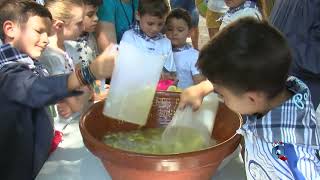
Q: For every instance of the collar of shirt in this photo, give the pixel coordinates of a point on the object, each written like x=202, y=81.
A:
x=9, y=54
x=40, y=2
x=137, y=30
x=246, y=4
x=83, y=38
x=292, y=122
x=183, y=48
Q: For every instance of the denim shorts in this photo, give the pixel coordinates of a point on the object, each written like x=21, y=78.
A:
x=190, y=6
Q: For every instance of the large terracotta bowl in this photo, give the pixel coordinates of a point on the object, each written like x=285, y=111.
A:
x=124, y=165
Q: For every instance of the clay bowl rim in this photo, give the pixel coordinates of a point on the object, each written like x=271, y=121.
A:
x=105, y=147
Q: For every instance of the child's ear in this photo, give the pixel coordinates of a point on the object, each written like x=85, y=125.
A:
x=189, y=33
x=256, y=98
x=57, y=25
x=137, y=16
x=10, y=29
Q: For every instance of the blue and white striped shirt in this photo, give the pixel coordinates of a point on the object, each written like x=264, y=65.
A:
x=294, y=124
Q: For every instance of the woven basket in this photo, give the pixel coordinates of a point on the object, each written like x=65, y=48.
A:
x=164, y=106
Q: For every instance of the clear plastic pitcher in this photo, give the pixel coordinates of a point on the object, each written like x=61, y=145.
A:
x=133, y=84
x=196, y=126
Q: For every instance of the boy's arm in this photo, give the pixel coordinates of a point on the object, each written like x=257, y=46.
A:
x=21, y=85
x=106, y=30
x=106, y=34
x=194, y=95
x=198, y=78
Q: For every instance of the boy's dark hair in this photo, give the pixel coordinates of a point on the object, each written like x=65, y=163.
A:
x=94, y=3
x=20, y=11
x=179, y=13
x=158, y=8
x=247, y=56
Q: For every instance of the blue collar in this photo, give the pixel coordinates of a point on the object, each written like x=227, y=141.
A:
x=183, y=48
x=83, y=37
x=246, y=4
x=137, y=29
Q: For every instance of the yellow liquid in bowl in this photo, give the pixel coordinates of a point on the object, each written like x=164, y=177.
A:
x=149, y=141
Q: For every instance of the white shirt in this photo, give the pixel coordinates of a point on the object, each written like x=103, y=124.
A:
x=217, y=6
x=83, y=50
x=245, y=11
x=42, y=2
x=159, y=47
x=56, y=62
x=186, y=66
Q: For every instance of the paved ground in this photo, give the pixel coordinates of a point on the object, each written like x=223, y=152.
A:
x=203, y=33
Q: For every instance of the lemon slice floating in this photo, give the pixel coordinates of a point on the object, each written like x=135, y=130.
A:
x=172, y=88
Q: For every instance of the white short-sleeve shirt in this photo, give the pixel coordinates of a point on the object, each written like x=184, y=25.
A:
x=56, y=62
x=248, y=9
x=161, y=46
x=217, y=6
x=186, y=66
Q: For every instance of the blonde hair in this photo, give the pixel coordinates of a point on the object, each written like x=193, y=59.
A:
x=60, y=9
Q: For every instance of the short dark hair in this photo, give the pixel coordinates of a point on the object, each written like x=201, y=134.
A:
x=94, y=3
x=159, y=8
x=247, y=55
x=179, y=13
x=20, y=11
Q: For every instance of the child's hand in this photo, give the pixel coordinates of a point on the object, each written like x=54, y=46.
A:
x=102, y=67
x=64, y=109
x=101, y=95
x=194, y=95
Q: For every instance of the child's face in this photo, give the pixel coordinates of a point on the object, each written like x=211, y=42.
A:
x=74, y=27
x=247, y=103
x=177, y=31
x=151, y=25
x=234, y=3
x=32, y=38
x=90, y=20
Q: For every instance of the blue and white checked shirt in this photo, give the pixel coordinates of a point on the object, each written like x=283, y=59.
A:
x=294, y=123
x=247, y=9
x=246, y=4
x=137, y=29
x=9, y=54
x=42, y=2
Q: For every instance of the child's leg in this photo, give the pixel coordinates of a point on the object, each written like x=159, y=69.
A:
x=195, y=28
x=212, y=24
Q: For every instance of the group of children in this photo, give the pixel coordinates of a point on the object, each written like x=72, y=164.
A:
x=153, y=18
x=27, y=88
x=281, y=131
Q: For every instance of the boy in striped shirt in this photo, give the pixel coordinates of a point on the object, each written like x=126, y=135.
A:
x=247, y=64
